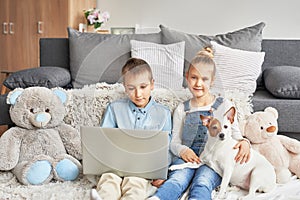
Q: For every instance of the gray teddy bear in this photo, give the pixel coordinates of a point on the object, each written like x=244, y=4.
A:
x=41, y=146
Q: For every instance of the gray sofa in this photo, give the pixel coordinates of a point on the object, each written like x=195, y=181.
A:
x=281, y=55
x=284, y=55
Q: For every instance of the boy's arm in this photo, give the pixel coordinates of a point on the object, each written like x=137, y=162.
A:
x=109, y=119
x=168, y=125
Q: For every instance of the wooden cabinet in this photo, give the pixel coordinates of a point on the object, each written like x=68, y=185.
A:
x=24, y=22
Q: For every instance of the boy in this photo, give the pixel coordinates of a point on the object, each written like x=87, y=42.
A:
x=138, y=111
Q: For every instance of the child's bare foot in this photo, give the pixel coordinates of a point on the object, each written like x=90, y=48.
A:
x=158, y=182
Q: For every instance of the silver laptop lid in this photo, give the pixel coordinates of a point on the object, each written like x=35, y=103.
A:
x=140, y=153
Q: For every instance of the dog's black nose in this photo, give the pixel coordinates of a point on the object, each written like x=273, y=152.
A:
x=222, y=136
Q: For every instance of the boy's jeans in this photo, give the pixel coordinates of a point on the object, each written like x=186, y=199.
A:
x=204, y=181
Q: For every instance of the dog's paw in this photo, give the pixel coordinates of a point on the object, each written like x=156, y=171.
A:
x=233, y=188
x=221, y=196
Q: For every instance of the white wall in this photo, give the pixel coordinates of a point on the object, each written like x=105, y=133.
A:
x=206, y=17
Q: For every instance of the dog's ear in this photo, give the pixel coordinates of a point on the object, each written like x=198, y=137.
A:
x=205, y=120
x=230, y=114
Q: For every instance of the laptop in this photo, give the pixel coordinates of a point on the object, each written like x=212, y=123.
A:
x=140, y=153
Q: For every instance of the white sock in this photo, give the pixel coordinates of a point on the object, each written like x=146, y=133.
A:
x=153, y=198
x=94, y=195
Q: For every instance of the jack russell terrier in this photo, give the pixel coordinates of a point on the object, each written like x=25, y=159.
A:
x=255, y=175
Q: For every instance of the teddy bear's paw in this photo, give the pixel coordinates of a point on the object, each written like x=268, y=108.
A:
x=39, y=172
x=66, y=170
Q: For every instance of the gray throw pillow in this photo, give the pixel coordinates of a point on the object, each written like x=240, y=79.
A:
x=248, y=39
x=100, y=57
x=47, y=76
x=283, y=81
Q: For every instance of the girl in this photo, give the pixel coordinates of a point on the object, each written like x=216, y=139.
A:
x=189, y=135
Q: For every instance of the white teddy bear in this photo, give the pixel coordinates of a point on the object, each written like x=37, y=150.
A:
x=283, y=152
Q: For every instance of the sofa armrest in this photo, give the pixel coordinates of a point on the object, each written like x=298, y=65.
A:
x=48, y=76
x=4, y=114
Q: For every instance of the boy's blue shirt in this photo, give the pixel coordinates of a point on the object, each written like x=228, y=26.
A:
x=124, y=114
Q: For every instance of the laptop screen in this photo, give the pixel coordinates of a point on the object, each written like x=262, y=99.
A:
x=141, y=153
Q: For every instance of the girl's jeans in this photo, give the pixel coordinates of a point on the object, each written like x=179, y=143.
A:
x=204, y=181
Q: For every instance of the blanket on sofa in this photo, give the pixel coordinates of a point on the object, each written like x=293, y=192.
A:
x=93, y=99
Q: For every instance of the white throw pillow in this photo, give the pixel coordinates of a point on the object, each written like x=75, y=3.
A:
x=237, y=70
x=166, y=61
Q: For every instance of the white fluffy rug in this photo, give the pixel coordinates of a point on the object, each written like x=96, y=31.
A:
x=11, y=189
x=86, y=107
x=288, y=191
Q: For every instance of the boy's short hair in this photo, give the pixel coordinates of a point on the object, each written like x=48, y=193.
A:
x=136, y=66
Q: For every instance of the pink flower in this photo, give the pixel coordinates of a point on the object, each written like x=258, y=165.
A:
x=105, y=16
x=95, y=17
x=91, y=19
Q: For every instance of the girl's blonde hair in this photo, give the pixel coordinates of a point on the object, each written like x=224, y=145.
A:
x=204, y=57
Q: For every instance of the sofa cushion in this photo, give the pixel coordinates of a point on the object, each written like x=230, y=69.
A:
x=283, y=81
x=100, y=57
x=248, y=39
x=280, y=52
x=237, y=70
x=166, y=62
x=46, y=76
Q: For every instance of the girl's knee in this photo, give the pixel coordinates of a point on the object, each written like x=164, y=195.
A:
x=182, y=175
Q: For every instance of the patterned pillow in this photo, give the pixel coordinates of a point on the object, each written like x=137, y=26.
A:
x=236, y=69
x=166, y=62
x=248, y=38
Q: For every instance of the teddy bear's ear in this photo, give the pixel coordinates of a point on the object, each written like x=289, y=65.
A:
x=61, y=93
x=13, y=95
x=272, y=111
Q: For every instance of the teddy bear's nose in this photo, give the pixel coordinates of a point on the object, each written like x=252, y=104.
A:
x=42, y=117
x=271, y=129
